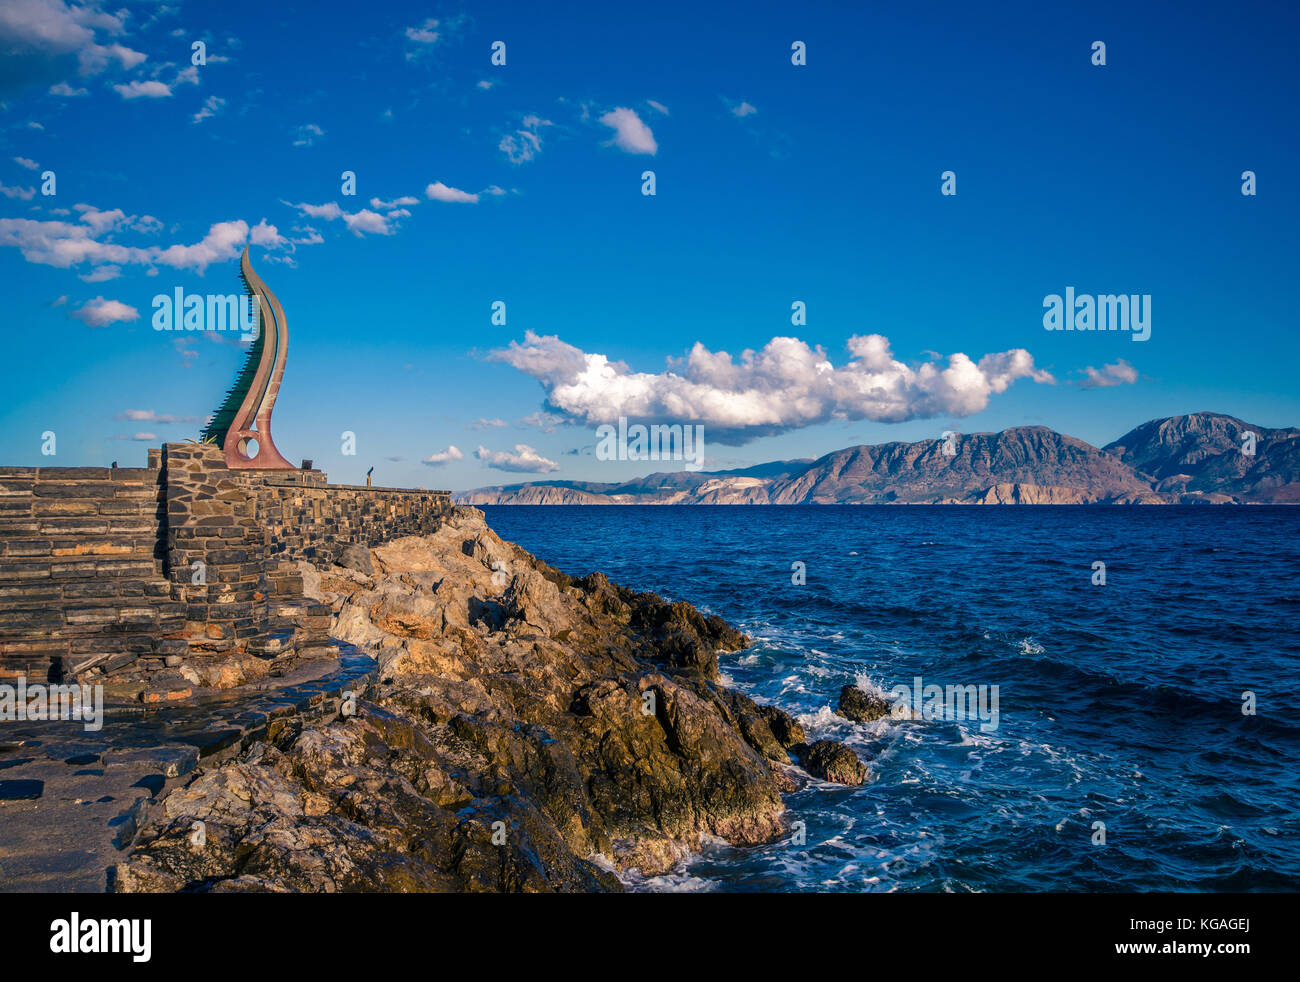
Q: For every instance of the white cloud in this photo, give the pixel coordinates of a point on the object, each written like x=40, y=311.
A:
x=66, y=244
x=484, y=84
x=100, y=312
x=524, y=143
x=487, y=424
x=440, y=192
x=306, y=135
x=784, y=386
x=27, y=162
x=67, y=91
x=546, y=422
x=1120, y=373
x=143, y=90
x=658, y=107
x=360, y=223
x=426, y=33
x=402, y=202
x=525, y=460
x=630, y=134
x=38, y=35
x=149, y=416
x=24, y=194
x=443, y=457
x=101, y=275
x=211, y=106
x=742, y=110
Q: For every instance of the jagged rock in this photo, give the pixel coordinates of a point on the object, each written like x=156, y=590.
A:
x=784, y=727
x=832, y=761
x=861, y=707
x=357, y=557
x=525, y=722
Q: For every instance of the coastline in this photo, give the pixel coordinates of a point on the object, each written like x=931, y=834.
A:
x=528, y=731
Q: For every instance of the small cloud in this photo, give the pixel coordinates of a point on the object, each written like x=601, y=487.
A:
x=658, y=107
x=100, y=312
x=143, y=90
x=484, y=84
x=211, y=106
x=443, y=457
x=306, y=135
x=546, y=422
x=138, y=437
x=67, y=91
x=524, y=143
x=403, y=202
x=101, y=274
x=630, y=134
x=1108, y=376
x=743, y=109
x=27, y=162
x=149, y=416
x=524, y=460
x=426, y=33
x=441, y=192
x=487, y=424
x=25, y=194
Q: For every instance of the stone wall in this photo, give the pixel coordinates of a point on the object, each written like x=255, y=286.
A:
x=81, y=569
x=104, y=568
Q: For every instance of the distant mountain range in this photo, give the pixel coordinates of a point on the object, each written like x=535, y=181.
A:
x=1194, y=459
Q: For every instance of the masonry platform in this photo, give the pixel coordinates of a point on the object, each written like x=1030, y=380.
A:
x=108, y=572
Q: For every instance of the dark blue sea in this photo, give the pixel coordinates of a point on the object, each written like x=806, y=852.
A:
x=1118, y=704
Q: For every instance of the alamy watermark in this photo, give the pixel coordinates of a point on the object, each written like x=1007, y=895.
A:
x=657, y=441
x=41, y=701
x=954, y=703
x=1107, y=312
x=231, y=312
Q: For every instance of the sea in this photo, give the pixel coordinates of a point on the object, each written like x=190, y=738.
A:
x=1146, y=661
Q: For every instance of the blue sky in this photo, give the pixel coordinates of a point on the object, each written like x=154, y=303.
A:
x=522, y=183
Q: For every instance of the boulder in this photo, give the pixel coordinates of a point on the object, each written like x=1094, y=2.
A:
x=860, y=706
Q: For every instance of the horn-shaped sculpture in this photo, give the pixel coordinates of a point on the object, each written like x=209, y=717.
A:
x=243, y=423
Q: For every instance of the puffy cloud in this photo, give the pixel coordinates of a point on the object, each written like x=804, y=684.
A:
x=359, y=223
x=630, y=134
x=743, y=109
x=1120, y=373
x=524, y=460
x=66, y=244
x=524, y=143
x=143, y=90
x=405, y=201
x=67, y=91
x=443, y=457
x=39, y=36
x=440, y=192
x=24, y=194
x=786, y=385
x=100, y=312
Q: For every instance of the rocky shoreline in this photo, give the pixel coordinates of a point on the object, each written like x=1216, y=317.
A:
x=528, y=731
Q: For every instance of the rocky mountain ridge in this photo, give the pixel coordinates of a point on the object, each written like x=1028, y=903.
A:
x=1201, y=458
